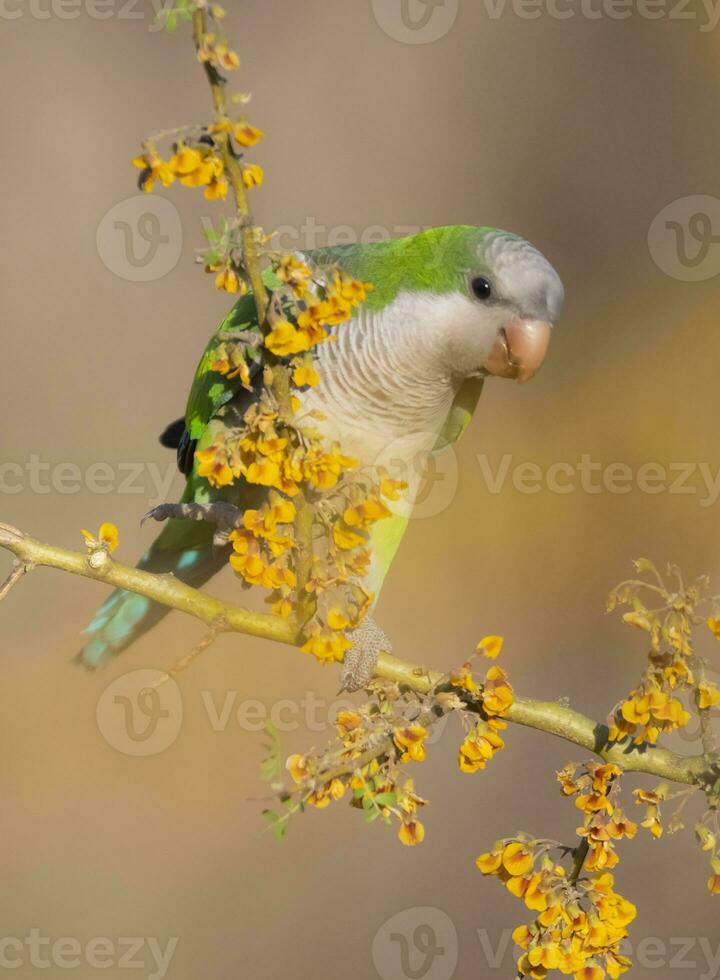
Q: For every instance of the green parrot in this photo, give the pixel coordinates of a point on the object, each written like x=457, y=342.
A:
x=449, y=307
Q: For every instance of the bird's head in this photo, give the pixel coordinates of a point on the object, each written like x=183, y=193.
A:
x=505, y=301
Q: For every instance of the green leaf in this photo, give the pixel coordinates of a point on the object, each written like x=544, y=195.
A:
x=386, y=799
x=278, y=824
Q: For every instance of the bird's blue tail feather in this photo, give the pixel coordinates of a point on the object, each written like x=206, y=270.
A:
x=184, y=549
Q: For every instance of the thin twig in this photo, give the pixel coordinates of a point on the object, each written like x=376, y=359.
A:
x=18, y=571
x=184, y=662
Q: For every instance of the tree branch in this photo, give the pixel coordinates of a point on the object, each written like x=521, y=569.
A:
x=549, y=717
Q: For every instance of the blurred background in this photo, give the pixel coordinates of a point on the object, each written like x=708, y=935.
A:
x=593, y=133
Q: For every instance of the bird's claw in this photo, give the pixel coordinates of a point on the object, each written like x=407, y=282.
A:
x=358, y=669
x=226, y=517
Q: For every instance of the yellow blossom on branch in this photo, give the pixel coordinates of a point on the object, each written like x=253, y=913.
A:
x=107, y=538
x=490, y=646
x=153, y=168
x=252, y=175
x=247, y=135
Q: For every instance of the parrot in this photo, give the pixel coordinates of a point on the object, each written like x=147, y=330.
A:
x=449, y=307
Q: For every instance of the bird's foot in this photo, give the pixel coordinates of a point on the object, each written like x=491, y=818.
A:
x=226, y=517
x=368, y=640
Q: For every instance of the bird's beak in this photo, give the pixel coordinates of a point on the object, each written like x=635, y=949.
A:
x=520, y=349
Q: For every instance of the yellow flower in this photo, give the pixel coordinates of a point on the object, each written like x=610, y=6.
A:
x=295, y=273
x=479, y=745
x=411, y=832
x=497, y=692
x=213, y=465
x=463, y=678
x=153, y=168
x=490, y=646
x=708, y=695
x=108, y=538
x=714, y=627
x=347, y=722
x=282, y=607
x=284, y=338
x=217, y=189
x=327, y=647
x=367, y=512
x=231, y=363
x=410, y=742
x=313, y=320
x=489, y=863
x=346, y=538
x=351, y=290
x=228, y=59
x=590, y=972
x=526, y=969
x=323, y=469
x=337, y=620
x=392, y=488
x=304, y=373
x=228, y=280
x=253, y=175
x=247, y=135
x=517, y=859
x=714, y=884
x=297, y=766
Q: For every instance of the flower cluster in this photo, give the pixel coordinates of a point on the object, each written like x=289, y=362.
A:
x=388, y=732
x=653, y=708
x=595, y=790
x=648, y=712
x=193, y=166
x=581, y=921
x=489, y=701
x=373, y=745
x=707, y=832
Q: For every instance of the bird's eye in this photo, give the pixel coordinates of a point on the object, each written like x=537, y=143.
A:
x=481, y=287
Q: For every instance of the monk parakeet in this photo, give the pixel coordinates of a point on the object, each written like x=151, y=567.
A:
x=449, y=307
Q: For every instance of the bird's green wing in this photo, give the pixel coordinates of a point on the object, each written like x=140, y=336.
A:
x=211, y=390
